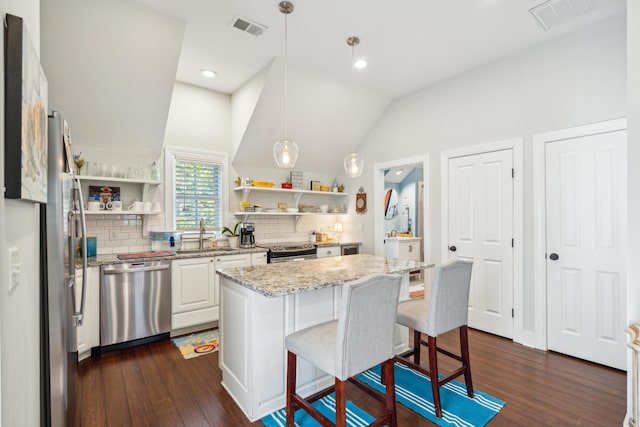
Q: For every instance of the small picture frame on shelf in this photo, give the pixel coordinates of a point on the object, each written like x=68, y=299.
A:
x=315, y=185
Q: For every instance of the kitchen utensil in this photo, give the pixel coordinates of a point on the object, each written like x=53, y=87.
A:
x=116, y=205
x=93, y=206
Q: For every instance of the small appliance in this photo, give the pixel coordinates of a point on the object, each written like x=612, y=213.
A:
x=247, y=239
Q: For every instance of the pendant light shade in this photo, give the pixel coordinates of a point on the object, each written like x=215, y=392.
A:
x=353, y=164
x=285, y=151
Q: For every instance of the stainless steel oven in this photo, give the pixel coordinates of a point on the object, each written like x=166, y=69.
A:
x=290, y=251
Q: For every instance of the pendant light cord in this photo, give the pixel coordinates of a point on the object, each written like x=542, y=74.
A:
x=286, y=79
x=353, y=99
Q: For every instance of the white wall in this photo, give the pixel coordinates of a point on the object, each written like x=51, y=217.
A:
x=199, y=118
x=19, y=315
x=633, y=153
x=575, y=79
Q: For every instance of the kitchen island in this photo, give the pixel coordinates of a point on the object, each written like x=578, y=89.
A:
x=261, y=305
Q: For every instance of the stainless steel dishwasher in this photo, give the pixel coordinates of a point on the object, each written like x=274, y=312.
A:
x=135, y=303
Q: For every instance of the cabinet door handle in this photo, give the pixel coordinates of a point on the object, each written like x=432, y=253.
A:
x=410, y=248
x=453, y=248
x=328, y=252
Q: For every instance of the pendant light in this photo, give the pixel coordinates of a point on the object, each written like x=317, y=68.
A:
x=285, y=151
x=353, y=164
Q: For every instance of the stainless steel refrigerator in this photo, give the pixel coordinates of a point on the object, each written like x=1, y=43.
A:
x=62, y=305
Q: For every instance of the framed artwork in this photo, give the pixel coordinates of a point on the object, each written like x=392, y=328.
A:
x=26, y=93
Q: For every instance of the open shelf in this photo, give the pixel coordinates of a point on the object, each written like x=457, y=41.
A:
x=105, y=212
x=114, y=179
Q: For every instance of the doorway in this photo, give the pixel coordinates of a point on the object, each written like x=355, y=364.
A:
x=386, y=178
x=581, y=240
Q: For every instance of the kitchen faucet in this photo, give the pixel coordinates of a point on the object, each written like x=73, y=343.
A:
x=202, y=231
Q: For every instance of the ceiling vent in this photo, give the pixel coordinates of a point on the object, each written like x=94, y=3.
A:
x=247, y=26
x=552, y=13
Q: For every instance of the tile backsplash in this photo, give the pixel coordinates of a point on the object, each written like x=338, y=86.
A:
x=118, y=234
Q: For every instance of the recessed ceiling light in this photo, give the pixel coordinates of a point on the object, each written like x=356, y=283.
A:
x=399, y=171
x=360, y=63
x=208, y=73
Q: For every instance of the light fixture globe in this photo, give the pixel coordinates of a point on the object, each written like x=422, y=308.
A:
x=286, y=153
x=353, y=165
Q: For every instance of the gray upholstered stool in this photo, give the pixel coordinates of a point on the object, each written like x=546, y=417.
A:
x=360, y=339
x=445, y=309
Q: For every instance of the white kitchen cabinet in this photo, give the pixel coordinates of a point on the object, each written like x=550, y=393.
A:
x=259, y=258
x=194, y=297
x=88, y=335
x=195, y=288
x=327, y=251
x=403, y=247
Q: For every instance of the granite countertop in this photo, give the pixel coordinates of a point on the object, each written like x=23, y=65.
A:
x=284, y=278
x=113, y=259
x=403, y=238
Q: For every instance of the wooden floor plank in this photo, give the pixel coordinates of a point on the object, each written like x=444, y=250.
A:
x=154, y=385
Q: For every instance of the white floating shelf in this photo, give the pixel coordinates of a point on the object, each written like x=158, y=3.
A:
x=114, y=179
x=105, y=212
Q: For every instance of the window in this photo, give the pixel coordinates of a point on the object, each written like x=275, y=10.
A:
x=196, y=190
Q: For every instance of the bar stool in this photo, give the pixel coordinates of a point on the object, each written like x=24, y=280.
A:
x=361, y=338
x=445, y=310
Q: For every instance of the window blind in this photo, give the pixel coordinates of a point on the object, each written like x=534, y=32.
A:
x=198, y=194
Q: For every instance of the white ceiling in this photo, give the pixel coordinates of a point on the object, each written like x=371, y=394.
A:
x=409, y=44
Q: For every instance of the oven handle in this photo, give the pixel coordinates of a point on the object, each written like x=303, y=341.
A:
x=296, y=259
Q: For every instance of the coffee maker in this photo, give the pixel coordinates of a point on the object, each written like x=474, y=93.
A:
x=247, y=239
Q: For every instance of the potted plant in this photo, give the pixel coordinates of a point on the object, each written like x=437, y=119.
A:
x=232, y=235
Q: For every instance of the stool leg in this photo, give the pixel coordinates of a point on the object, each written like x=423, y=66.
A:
x=291, y=387
x=464, y=349
x=416, y=347
x=388, y=375
x=341, y=397
x=433, y=374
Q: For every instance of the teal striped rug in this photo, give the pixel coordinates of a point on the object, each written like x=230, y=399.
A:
x=356, y=417
x=413, y=390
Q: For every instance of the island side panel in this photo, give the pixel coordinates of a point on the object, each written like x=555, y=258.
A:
x=252, y=332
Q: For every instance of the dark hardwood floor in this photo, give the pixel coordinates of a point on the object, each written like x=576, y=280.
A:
x=152, y=385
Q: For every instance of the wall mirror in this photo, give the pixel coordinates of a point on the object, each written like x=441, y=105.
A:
x=390, y=204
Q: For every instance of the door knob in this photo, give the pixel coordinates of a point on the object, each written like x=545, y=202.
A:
x=453, y=248
x=554, y=256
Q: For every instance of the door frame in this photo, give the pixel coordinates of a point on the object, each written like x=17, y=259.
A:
x=378, y=191
x=539, y=209
x=514, y=144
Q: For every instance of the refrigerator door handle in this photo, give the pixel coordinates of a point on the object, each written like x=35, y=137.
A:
x=78, y=316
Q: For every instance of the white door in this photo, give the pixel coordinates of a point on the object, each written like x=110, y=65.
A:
x=586, y=240
x=480, y=218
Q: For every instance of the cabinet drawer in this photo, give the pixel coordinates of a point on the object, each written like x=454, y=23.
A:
x=327, y=251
